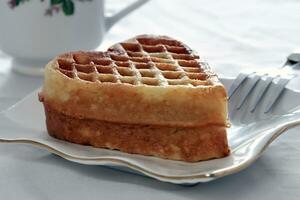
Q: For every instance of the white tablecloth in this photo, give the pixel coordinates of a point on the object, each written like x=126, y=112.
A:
x=232, y=35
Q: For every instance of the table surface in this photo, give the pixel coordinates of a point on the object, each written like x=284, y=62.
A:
x=232, y=35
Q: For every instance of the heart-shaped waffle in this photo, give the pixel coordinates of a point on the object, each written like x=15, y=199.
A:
x=145, y=81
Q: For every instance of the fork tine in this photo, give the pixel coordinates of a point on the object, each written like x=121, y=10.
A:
x=263, y=89
x=248, y=90
x=237, y=83
x=280, y=86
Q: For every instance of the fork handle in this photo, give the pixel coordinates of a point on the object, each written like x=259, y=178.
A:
x=293, y=60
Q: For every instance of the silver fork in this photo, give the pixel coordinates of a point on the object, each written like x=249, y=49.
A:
x=262, y=81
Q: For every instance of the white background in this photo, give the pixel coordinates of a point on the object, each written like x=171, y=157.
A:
x=232, y=35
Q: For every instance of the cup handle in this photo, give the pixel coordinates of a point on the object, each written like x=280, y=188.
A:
x=110, y=21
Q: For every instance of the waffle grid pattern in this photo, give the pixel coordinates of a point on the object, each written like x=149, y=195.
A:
x=143, y=61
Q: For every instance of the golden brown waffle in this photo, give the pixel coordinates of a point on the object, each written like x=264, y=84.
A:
x=146, y=80
x=188, y=144
x=153, y=82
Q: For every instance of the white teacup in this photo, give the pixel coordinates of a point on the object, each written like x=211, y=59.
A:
x=32, y=32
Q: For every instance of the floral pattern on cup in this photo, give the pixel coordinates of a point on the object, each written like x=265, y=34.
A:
x=66, y=6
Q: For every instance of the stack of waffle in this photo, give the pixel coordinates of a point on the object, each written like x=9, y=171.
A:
x=149, y=95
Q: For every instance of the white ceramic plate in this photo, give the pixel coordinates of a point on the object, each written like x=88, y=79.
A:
x=249, y=135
